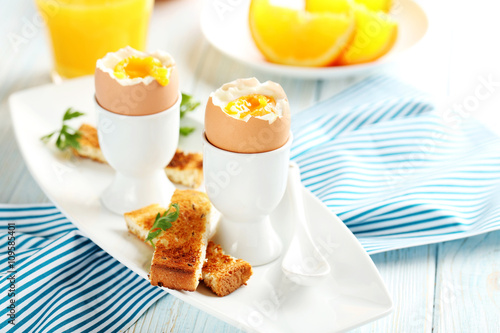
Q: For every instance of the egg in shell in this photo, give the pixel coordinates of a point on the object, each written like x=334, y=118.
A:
x=136, y=83
x=246, y=116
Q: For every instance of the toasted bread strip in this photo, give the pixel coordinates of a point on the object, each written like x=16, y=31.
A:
x=141, y=220
x=180, y=251
x=89, y=144
x=185, y=168
x=223, y=273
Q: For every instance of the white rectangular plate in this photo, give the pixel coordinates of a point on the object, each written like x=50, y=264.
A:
x=352, y=295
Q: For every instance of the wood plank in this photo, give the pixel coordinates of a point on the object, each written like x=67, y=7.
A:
x=409, y=275
x=328, y=88
x=468, y=285
x=169, y=314
x=181, y=37
x=16, y=184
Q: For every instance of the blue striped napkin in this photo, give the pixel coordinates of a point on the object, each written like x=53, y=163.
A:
x=54, y=279
x=398, y=174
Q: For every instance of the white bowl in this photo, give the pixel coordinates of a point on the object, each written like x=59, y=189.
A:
x=225, y=26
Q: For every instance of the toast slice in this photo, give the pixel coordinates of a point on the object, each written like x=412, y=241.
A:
x=179, y=251
x=185, y=168
x=89, y=144
x=223, y=273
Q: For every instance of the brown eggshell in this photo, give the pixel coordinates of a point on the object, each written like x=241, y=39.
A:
x=254, y=136
x=138, y=99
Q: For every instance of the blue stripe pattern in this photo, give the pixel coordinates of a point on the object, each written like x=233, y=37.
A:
x=63, y=281
x=395, y=171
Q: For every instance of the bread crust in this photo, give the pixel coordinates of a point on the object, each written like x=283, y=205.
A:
x=223, y=273
x=175, y=268
x=89, y=144
x=186, y=169
x=141, y=220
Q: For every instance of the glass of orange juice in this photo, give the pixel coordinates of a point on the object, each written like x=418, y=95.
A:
x=82, y=31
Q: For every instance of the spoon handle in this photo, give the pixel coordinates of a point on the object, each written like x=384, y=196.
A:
x=295, y=187
x=302, y=252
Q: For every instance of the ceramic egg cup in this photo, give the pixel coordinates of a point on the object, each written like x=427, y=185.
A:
x=138, y=148
x=246, y=188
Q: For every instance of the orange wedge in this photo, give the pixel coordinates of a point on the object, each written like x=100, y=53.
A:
x=336, y=6
x=299, y=38
x=374, y=36
x=376, y=5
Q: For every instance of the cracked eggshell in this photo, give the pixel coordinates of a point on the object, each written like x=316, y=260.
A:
x=254, y=136
x=136, y=98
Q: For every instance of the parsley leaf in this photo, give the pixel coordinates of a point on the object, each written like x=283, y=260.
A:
x=70, y=114
x=188, y=104
x=67, y=136
x=47, y=137
x=163, y=222
x=186, y=130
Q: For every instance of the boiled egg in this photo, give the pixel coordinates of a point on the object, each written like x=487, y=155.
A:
x=136, y=83
x=246, y=116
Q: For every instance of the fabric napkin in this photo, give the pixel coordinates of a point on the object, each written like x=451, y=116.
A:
x=59, y=281
x=397, y=173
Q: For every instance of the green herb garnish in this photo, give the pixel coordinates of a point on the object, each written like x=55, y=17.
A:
x=68, y=136
x=188, y=104
x=162, y=223
x=186, y=130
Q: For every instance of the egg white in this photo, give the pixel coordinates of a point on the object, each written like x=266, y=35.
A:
x=110, y=60
x=242, y=87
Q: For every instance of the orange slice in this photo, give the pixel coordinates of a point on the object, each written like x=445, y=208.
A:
x=336, y=6
x=376, y=5
x=299, y=38
x=374, y=36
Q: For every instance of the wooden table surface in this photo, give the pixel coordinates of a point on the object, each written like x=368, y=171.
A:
x=447, y=287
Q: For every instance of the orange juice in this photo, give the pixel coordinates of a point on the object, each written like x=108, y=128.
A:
x=82, y=31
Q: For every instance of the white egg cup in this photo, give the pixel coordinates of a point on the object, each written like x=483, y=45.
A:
x=246, y=188
x=138, y=148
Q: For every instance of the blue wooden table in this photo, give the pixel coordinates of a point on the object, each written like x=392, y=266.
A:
x=447, y=287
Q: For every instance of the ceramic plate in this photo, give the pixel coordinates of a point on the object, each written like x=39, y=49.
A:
x=225, y=26
x=352, y=295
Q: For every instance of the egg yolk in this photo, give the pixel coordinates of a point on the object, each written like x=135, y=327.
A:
x=254, y=105
x=134, y=67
